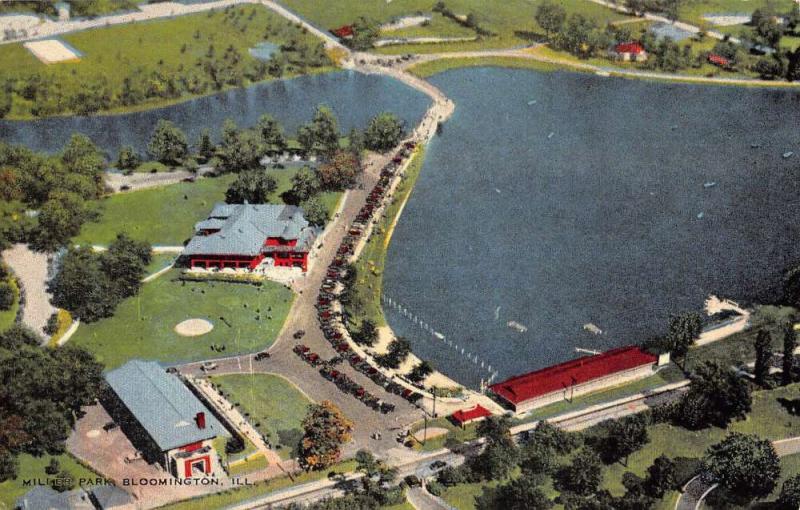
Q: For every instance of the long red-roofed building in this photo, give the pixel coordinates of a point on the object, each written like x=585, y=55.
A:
x=576, y=377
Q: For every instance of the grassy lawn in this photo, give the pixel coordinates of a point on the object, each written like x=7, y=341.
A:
x=246, y=318
x=7, y=316
x=233, y=496
x=466, y=434
x=166, y=215
x=161, y=46
x=427, y=69
x=269, y=402
x=158, y=262
x=31, y=467
x=251, y=465
x=694, y=11
x=511, y=20
x=768, y=419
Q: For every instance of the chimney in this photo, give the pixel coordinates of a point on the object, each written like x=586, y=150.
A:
x=200, y=419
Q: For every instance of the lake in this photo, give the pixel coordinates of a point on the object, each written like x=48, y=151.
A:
x=353, y=97
x=559, y=199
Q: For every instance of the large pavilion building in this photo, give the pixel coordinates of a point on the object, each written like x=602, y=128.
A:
x=163, y=419
x=573, y=378
x=243, y=235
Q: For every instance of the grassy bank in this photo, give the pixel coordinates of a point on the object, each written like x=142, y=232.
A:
x=246, y=318
x=370, y=264
x=270, y=403
x=427, y=69
x=148, y=52
x=7, y=316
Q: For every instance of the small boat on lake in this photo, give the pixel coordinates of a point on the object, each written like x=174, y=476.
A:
x=517, y=326
x=592, y=328
x=788, y=154
x=709, y=184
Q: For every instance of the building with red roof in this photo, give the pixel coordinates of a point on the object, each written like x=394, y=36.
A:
x=577, y=377
x=462, y=417
x=719, y=60
x=630, y=51
x=344, y=32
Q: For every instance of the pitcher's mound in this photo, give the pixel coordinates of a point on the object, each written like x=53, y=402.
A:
x=193, y=327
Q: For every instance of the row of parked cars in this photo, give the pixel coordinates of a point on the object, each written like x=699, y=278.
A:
x=329, y=319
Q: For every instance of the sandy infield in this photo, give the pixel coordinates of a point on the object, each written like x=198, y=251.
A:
x=193, y=327
x=51, y=51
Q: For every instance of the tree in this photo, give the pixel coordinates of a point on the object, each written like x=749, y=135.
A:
x=500, y=453
x=82, y=288
x=383, y=132
x=251, y=186
x=624, y=436
x=683, y=331
x=314, y=212
x=168, y=143
x=205, y=147
x=763, y=349
x=239, y=150
x=716, y=396
x=127, y=158
x=661, y=476
x=422, y=370
x=305, y=184
x=367, y=334
x=744, y=465
x=789, y=346
x=356, y=142
x=790, y=493
x=271, y=133
x=6, y=295
x=577, y=36
x=554, y=438
x=365, y=32
x=398, y=351
x=305, y=137
x=340, y=172
x=767, y=27
x=17, y=336
x=537, y=459
x=60, y=219
x=124, y=264
x=325, y=131
x=8, y=465
x=583, y=475
x=550, y=17
x=522, y=493
x=325, y=431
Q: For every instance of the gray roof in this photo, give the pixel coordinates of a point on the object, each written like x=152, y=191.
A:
x=111, y=496
x=45, y=498
x=245, y=227
x=162, y=404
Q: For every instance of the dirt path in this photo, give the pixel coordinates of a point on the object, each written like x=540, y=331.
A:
x=31, y=270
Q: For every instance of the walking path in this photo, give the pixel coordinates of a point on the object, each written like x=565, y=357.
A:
x=31, y=268
x=696, y=489
x=421, y=499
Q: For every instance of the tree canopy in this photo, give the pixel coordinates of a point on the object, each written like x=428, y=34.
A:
x=383, y=132
x=168, y=143
x=325, y=431
x=745, y=465
x=251, y=186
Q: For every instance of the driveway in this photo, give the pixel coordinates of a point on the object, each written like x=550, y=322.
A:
x=30, y=267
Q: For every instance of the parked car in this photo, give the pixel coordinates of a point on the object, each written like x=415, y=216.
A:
x=299, y=334
x=208, y=366
x=437, y=465
x=262, y=355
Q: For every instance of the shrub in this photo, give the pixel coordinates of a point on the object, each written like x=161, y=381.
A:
x=6, y=295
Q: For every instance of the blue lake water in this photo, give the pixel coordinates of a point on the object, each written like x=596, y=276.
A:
x=353, y=97
x=559, y=199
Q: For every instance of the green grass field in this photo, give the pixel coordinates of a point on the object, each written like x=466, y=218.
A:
x=142, y=326
x=273, y=403
x=511, y=20
x=7, y=316
x=438, y=26
x=167, y=46
x=31, y=467
x=166, y=215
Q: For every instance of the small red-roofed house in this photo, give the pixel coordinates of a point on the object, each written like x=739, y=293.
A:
x=573, y=378
x=464, y=417
x=344, y=32
x=629, y=52
x=719, y=60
